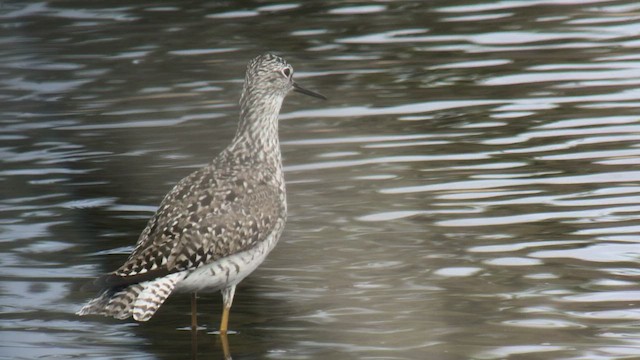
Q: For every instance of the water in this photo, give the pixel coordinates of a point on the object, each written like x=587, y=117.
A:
x=470, y=191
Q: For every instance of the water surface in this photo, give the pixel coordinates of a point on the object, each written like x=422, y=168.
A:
x=470, y=190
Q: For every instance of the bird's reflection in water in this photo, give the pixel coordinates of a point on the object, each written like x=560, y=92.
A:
x=225, y=346
x=194, y=344
x=222, y=340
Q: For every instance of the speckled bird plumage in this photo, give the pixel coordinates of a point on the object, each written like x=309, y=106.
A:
x=217, y=224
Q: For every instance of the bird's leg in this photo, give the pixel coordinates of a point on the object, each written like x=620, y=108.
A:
x=194, y=313
x=227, y=299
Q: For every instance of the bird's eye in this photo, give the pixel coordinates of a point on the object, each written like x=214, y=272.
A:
x=286, y=72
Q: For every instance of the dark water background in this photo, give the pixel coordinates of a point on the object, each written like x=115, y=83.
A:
x=471, y=189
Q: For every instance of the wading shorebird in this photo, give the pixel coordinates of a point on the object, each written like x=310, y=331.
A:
x=217, y=224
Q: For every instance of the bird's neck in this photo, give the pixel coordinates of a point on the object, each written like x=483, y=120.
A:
x=257, y=134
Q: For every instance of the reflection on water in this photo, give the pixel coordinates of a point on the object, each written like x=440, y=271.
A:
x=469, y=191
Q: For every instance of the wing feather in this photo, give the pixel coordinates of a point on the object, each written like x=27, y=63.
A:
x=208, y=215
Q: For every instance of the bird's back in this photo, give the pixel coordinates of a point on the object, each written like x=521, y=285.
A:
x=219, y=210
x=210, y=231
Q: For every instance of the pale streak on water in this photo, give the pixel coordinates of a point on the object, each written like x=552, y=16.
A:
x=470, y=191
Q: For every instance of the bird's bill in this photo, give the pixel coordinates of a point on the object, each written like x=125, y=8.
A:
x=302, y=90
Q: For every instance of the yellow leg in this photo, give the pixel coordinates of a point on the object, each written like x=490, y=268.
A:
x=194, y=312
x=225, y=321
x=227, y=299
x=225, y=346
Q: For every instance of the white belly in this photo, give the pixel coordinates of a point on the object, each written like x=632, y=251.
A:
x=227, y=271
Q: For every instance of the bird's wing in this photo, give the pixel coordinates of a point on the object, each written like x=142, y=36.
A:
x=208, y=215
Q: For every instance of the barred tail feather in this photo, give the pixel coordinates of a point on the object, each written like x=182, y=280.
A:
x=114, y=302
x=140, y=300
x=154, y=295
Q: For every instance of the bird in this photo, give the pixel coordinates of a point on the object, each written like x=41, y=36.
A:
x=218, y=224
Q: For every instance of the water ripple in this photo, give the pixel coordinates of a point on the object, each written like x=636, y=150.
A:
x=612, y=177
x=470, y=190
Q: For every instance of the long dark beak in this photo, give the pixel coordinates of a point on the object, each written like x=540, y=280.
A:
x=302, y=90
